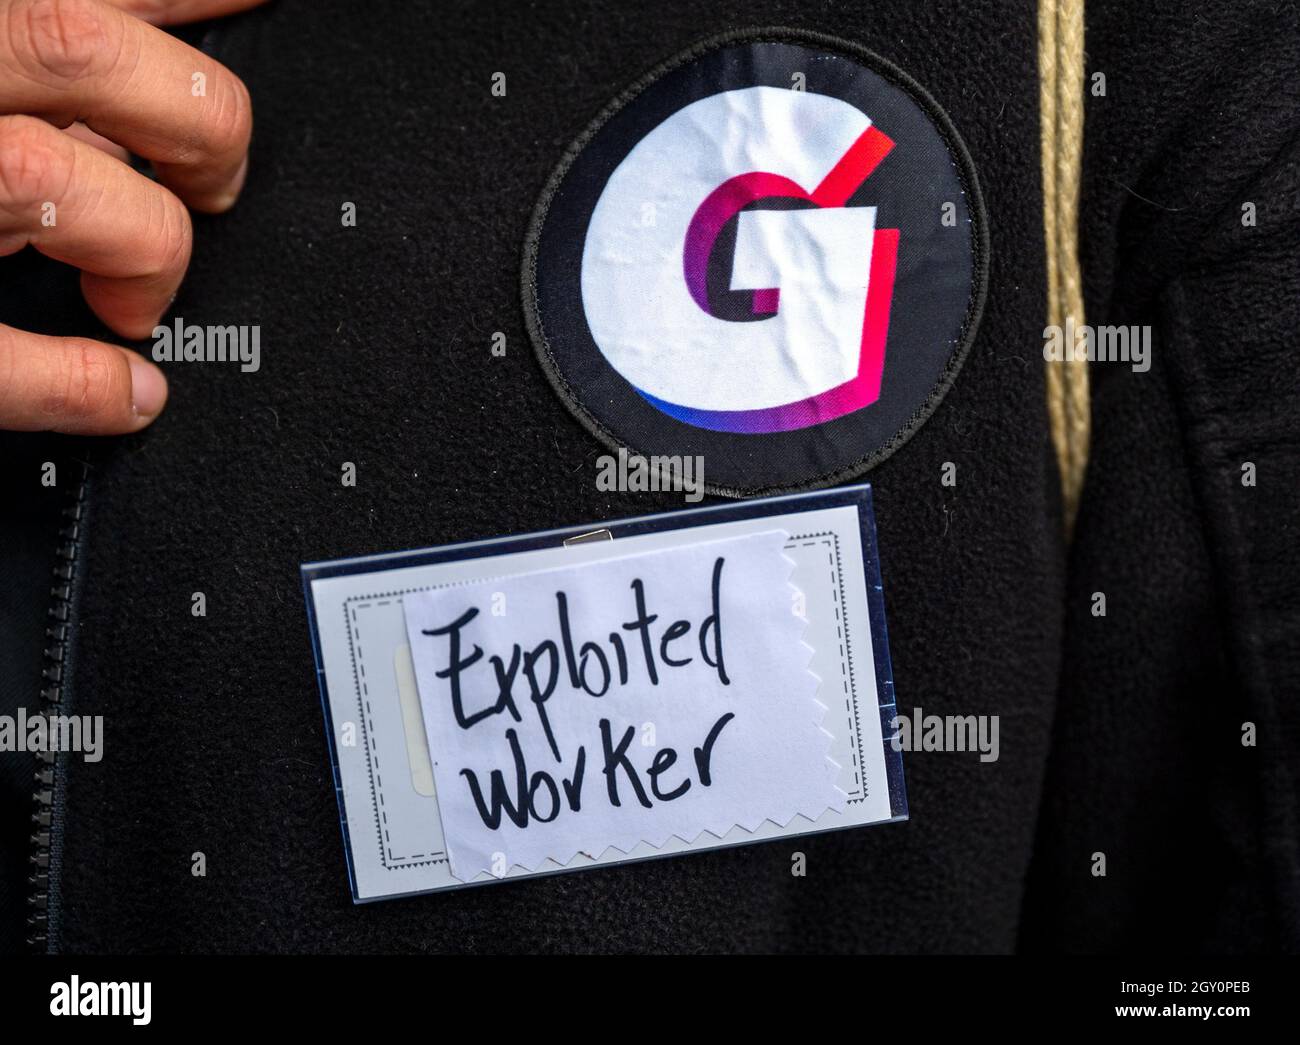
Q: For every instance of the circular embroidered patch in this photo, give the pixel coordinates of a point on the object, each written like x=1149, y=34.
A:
x=770, y=254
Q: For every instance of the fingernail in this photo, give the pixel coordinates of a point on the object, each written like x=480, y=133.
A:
x=220, y=200
x=236, y=186
x=148, y=388
x=241, y=176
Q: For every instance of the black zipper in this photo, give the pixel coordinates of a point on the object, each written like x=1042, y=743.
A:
x=47, y=816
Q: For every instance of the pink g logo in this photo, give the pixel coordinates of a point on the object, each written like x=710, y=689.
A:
x=820, y=276
x=770, y=252
x=879, y=247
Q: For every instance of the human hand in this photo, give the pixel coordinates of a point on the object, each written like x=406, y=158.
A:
x=78, y=79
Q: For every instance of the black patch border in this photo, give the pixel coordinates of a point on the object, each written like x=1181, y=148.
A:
x=893, y=75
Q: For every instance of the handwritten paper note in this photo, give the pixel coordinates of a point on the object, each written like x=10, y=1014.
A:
x=624, y=700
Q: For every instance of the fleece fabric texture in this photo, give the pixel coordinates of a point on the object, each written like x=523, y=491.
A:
x=1198, y=133
x=376, y=350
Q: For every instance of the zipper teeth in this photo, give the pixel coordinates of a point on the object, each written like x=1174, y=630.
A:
x=57, y=630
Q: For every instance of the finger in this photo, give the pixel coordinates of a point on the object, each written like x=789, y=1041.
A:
x=84, y=134
x=176, y=12
x=83, y=60
x=130, y=236
x=75, y=385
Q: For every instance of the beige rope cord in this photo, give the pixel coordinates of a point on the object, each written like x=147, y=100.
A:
x=1060, y=70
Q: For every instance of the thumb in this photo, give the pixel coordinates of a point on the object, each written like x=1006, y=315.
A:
x=75, y=385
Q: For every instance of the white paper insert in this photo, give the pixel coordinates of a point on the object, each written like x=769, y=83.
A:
x=396, y=844
x=654, y=695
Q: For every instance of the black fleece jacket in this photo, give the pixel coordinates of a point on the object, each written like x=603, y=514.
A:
x=1119, y=734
